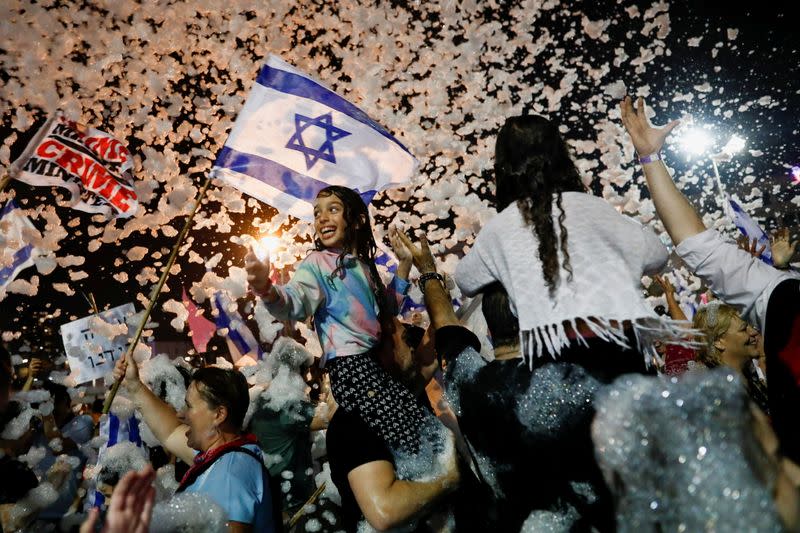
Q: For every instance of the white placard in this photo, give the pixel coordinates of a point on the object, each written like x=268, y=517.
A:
x=90, y=352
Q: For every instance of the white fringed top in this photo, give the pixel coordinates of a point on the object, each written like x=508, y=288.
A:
x=609, y=253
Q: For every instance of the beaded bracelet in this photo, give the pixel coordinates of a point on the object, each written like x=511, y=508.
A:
x=428, y=276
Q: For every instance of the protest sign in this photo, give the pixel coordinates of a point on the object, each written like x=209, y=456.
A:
x=95, y=342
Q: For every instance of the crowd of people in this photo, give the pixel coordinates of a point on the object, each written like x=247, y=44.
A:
x=552, y=428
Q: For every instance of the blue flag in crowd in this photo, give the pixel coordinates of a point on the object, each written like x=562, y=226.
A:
x=238, y=332
x=294, y=137
x=751, y=229
x=15, y=254
x=116, y=430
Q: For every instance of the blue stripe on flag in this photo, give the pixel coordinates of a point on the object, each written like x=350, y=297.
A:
x=237, y=337
x=113, y=430
x=20, y=256
x=133, y=431
x=10, y=206
x=99, y=499
x=291, y=83
x=273, y=174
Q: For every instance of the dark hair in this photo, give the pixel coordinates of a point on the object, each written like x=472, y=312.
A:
x=6, y=367
x=412, y=335
x=531, y=164
x=503, y=325
x=358, y=237
x=59, y=392
x=227, y=388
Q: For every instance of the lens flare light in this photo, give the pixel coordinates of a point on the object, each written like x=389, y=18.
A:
x=696, y=141
x=265, y=246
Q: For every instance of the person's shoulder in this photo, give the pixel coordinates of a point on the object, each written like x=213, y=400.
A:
x=585, y=199
x=242, y=465
x=344, y=423
x=347, y=433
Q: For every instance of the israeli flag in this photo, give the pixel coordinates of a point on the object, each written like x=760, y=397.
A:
x=751, y=229
x=295, y=136
x=15, y=254
x=238, y=332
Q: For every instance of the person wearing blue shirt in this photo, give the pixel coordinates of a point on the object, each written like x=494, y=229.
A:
x=226, y=464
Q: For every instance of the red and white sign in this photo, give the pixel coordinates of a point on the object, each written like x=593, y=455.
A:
x=94, y=166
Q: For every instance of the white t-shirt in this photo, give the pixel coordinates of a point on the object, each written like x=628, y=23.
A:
x=735, y=276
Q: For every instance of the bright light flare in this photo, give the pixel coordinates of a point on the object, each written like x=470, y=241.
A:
x=796, y=175
x=735, y=145
x=265, y=246
x=696, y=141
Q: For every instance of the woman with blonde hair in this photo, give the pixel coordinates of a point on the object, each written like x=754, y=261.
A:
x=730, y=341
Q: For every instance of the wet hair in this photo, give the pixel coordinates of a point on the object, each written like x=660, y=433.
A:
x=503, y=325
x=222, y=387
x=532, y=163
x=713, y=320
x=358, y=238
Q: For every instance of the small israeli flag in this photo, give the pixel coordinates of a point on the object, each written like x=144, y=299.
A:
x=238, y=333
x=295, y=136
x=751, y=229
x=15, y=254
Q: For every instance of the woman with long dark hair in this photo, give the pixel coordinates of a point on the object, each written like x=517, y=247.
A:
x=571, y=265
x=569, y=261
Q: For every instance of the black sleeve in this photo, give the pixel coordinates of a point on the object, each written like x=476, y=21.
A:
x=351, y=443
x=452, y=340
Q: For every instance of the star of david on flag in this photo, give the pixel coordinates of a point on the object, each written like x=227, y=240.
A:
x=294, y=137
x=325, y=151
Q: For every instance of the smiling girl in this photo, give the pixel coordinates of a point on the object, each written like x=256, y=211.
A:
x=338, y=284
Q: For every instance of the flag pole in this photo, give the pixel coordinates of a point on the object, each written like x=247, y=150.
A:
x=157, y=290
x=726, y=207
x=299, y=514
x=4, y=181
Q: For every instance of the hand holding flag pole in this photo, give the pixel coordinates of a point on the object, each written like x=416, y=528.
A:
x=157, y=290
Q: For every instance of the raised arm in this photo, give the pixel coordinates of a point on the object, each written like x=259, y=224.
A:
x=159, y=416
x=679, y=217
x=437, y=299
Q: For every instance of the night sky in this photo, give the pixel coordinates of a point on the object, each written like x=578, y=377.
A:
x=741, y=69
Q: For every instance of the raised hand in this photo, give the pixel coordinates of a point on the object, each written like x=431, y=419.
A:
x=782, y=248
x=646, y=139
x=398, y=247
x=665, y=284
x=257, y=274
x=750, y=247
x=35, y=367
x=420, y=255
x=402, y=253
x=126, y=368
